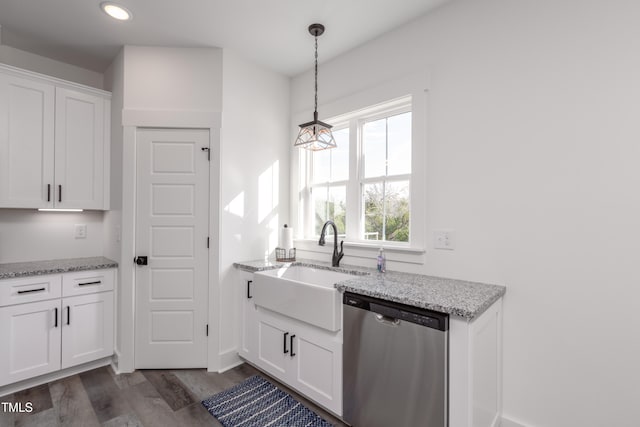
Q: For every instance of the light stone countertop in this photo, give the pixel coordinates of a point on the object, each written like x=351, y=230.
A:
x=38, y=268
x=455, y=297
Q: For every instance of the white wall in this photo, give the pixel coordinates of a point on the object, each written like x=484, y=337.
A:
x=532, y=157
x=40, y=64
x=159, y=78
x=30, y=235
x=114, y=82
x=254, y=176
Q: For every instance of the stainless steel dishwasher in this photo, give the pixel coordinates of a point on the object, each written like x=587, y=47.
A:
x=395, y=364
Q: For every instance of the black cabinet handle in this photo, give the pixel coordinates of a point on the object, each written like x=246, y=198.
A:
x=249, y=282
x=68, y=315
x=291, y=345
x=97, y=282
x=56, y=315
x=31, y=290
x=48, y=192
x=284, y=343
x=59, y=193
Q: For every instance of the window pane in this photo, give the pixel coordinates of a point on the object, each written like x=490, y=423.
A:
x=397, y=211
x=337, y=207
x=340, y=156
x=399, y=144
x=374, y=137
x=373, y=204
x=319, y=195
x=321, y=166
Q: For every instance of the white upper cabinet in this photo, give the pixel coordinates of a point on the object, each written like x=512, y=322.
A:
x=26, y=142
x=79, y=153
x=54, y=143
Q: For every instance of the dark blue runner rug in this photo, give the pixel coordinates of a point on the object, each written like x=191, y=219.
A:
x=257, y=403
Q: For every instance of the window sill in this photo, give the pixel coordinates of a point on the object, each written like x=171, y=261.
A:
x=392, y=252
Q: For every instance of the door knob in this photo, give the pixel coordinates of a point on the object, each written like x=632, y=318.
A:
x=141, y=260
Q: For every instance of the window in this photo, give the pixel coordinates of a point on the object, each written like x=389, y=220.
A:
x=386, y=152
x=329, y=177
x=363, y=185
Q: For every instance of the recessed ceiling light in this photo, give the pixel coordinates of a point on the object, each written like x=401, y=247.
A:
x=115, y=11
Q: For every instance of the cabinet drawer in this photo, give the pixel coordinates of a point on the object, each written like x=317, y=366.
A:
x=30, y=289
x=87, y=282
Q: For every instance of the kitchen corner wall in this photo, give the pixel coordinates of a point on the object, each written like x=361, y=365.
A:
x=254, y=187
x=532, y=157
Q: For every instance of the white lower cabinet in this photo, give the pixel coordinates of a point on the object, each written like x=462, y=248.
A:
x=302, y=356
x=306, y=358
x=248, y=312
x=87, y=332
x=43, y=331
x=32, y=336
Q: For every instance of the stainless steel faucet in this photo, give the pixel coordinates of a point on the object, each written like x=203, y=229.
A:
x=337, y=256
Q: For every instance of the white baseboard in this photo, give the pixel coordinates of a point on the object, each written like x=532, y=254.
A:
x=229, y=360
x=53, y=376
x=506, y=422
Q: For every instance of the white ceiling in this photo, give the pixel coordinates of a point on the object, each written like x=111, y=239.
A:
x=269, y=32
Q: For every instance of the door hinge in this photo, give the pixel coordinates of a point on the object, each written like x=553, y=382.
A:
x=207, y=243
x=208, y=152
x=207, y=329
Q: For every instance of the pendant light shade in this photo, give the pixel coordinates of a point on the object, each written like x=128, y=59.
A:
x=315, y=135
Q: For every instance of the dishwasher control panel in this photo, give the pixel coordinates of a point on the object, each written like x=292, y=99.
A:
x=393, y=310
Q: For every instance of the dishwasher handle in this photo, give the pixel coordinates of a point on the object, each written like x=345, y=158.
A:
x=386, y=320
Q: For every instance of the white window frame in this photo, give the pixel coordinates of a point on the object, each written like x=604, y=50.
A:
x=395, y=107
x=365, y=103
x=328, y=184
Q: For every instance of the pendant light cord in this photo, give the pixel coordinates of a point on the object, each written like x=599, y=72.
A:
x=315, y=108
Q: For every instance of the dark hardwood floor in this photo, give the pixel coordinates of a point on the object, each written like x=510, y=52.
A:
x=151, y=398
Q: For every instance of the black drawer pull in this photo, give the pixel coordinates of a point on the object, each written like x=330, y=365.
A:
x=249, y=282
x=56, y=324
x=48, y=192
x=97, y=282
x=59, y=193
x=32, y=290
x=284, y=343
x=291, y=345
x=68, y=315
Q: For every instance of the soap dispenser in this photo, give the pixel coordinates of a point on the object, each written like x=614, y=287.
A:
x=382, y=261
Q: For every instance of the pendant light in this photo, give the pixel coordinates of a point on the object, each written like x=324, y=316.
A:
x=315, y=135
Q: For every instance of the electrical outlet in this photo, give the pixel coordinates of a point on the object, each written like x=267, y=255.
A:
x=80, y=231
x=444, y=239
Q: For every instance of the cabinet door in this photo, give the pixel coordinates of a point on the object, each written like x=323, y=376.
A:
x=273, y=339
x=30, y=334
x=249, y=320
x=87, y=328
x=26, y=143
x=79, y=150
x=316, y=369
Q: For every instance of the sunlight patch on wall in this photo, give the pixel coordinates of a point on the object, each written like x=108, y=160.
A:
x=236, y=206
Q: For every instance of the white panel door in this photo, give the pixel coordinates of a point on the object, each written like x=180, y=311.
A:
x=172, y=228
x=26, y=143
x=30, y=336
x=79, y=150
x=87, y=328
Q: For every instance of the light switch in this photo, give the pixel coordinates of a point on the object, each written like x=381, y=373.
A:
x=80, y=231
x=444, y=239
